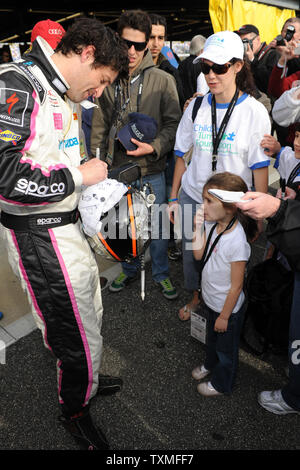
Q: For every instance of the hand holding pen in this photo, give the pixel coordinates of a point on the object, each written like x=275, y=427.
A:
x=283, y=187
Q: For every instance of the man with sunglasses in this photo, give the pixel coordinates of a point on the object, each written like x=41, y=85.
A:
x=150, y=91
x=263, y=57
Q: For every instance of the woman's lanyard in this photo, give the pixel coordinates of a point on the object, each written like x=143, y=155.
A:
x=217, y=137
x=206, y=256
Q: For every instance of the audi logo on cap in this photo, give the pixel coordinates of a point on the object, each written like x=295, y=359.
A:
x=55, y=31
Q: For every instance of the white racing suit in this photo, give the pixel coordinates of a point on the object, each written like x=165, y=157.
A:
x=39, y=156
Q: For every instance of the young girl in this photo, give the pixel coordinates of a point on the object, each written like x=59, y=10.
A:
x=222, y=281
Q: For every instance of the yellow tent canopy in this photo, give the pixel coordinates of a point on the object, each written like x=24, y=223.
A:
x=232, y=14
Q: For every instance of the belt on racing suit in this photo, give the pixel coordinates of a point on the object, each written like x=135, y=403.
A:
x=35, y=222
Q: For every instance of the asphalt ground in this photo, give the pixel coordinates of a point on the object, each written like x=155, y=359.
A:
x=159, y=409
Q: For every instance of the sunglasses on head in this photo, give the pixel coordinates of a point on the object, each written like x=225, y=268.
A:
x=139, y=46
x=216, y=68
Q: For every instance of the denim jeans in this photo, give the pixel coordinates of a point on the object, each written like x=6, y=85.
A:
x=159, y=242
x=190, y=265
x=291, y=392
x=222, y=350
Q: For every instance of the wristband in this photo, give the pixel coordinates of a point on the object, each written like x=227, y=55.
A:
x=172, y=200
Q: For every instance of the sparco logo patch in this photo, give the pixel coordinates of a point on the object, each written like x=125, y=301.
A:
x=48, y=221
x=33, y=189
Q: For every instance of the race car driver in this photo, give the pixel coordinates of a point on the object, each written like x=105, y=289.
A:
x=41, y=176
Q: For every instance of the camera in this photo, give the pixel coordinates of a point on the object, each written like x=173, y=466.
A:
x=289, y=34
x=247, y=41
x=245, y=44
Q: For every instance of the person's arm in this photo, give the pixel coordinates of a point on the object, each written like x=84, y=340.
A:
x=260, y=176
x=270, y=145
x=199, y=235
x=286, y=109
x=177, y=176
x=259, y=205
x=258, y=161
x=184, y=142
x=93, y=171
x=24, y=178
x=237, y=280
x=279, y=84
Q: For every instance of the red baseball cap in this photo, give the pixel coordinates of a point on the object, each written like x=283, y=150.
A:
x=51, y=31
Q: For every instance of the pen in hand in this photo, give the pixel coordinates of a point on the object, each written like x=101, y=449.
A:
x=283, y=185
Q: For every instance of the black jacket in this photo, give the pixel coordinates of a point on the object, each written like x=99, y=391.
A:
x=164, y=64
x=189, y=73
x=262, y=66
x=283, y=231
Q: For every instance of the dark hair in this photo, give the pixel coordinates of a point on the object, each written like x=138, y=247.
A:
x=244, y=78
x=135, y=19
x=231, y=182
x=158, y=20
x=110, y=50
x=293, y=19
x=297, y=126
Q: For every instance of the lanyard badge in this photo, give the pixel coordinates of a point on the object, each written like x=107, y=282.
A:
x=217, y=136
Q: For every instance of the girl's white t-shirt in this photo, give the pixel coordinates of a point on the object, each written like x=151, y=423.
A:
x=216, y=275
x=239, y=150
x=285, y=163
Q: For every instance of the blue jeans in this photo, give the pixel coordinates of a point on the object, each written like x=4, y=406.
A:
x=190, y=265
x=222, y=350
x=291, y=392
x=159, y=242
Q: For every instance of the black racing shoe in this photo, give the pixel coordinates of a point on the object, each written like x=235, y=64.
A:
x=85, y=433
x=109, y=385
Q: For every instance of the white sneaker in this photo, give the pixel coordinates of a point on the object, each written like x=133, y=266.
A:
x=273, y=401
x=206, y=389
x=199, y=372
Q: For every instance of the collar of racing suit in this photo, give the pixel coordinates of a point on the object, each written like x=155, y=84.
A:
x=40, y=55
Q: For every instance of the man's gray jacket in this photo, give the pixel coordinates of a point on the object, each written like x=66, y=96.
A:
x=159, y=99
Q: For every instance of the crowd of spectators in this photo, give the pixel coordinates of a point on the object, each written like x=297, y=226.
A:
x=247, y=95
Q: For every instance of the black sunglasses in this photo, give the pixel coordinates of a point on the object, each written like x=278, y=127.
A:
x=216, y=68
x=139, y=46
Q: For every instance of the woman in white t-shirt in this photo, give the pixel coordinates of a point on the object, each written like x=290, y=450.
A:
x=222, y=296
x=237, y=147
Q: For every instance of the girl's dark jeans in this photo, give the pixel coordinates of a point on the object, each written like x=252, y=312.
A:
x=222, y=349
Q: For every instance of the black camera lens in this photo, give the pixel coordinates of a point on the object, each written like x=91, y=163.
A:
x=279, y=40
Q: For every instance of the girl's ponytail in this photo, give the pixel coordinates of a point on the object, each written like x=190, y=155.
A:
x=249, y=225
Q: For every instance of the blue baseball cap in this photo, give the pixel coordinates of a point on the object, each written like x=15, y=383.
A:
x=140, y=127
